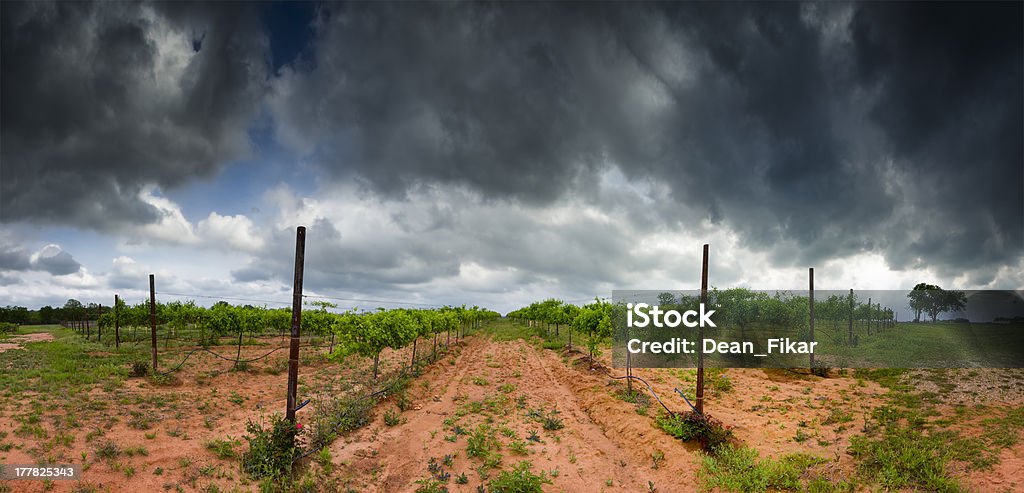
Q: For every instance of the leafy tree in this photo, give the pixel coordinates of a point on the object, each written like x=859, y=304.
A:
x=934, y=300
x=921, y=297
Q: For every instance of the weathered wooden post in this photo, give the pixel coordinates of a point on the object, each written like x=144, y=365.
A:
x=152, y=317
x=851, y=316
x=810, y=301
x=117, y=322
x=869, y=316
x=700, y=340
x=293, y=350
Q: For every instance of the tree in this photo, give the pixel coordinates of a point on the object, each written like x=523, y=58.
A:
x=934, y=300
x=920, y=298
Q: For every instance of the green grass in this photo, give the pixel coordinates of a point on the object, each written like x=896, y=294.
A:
x=66, y=364
x=520, y=479
x=906, y=458
x=742, y=470
x=224, y=448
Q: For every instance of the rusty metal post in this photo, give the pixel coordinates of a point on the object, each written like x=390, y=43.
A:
x=152, y=316
x=293, y=350
x=700, y=340
x=117, y=322
x=810, y=301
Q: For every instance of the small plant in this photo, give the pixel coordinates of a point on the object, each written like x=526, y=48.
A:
x=108, y=450
x=461, y=479
x=800, y=436
x=223, y=449
x=141, y=420
x=507, y=388
x=271, y=450
x=708, y=431
x=656, y=458
x=552, y=422
x=431, y=485
x=392, y=418
x=139, y=369
x=480, y=381
x=519, y=480
x=481, y=442
x=518, y=447
x=323, y=457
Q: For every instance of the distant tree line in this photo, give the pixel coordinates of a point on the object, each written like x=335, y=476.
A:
x=72, y=310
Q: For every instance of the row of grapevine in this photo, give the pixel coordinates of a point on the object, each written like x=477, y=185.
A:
x=738, y=308
x=366, y=334
x=369, y=334
x=593, y=320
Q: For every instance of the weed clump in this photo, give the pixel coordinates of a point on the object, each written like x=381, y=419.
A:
x=139, y=369
x=272, y=449
x=708, y=431
x=519, y=480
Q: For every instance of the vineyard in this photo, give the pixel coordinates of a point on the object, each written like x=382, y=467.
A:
x=178, y=396
x=458, y=399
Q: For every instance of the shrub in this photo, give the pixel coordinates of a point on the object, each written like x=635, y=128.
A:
x=687, y=426
x=8, y=328
x=139, y=369
x=271, y=451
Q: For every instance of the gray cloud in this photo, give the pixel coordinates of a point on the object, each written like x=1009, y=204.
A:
x=250, y=273
x=100, y=100
x=56, y=261
x=13, y=257
x=811, y=130
x=51, y=259
x=9, y=279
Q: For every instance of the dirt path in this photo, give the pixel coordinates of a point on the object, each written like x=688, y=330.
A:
x=16, y=342
x=602, y=447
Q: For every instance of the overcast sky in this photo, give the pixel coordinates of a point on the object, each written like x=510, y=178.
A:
x=498, y=154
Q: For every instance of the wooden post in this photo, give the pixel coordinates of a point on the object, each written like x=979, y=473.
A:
x=238, y=352
x=700, y=340
x=293, y=350
x=851, y=316
x=810, y=300
x=117, y=322
x=99, y=328
x=869, y=316
x=152, y=316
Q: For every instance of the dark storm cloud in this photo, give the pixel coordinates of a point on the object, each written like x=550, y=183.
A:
x=814, y=131
x=100, y=100
x=950, y=103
